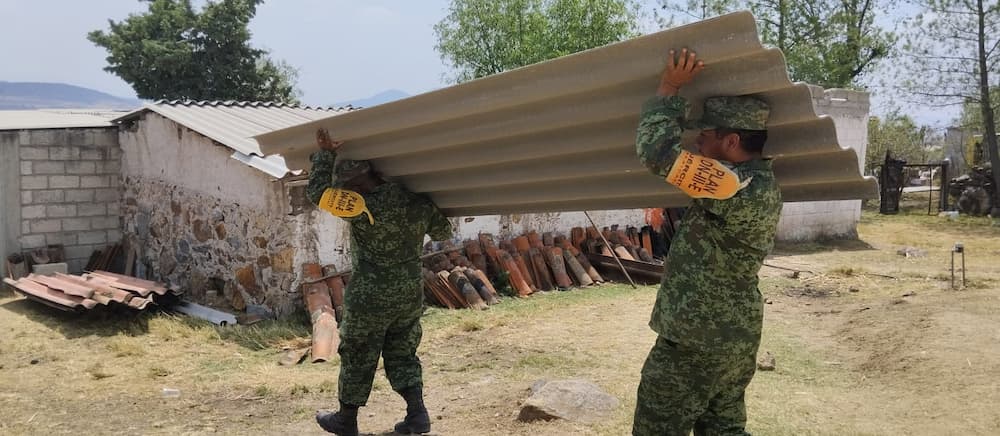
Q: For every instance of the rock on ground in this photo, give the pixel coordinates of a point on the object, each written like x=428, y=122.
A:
x=572, y=400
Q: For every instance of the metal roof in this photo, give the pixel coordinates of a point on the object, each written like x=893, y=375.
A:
x=56, y=118
x=234, y=123
x=559, y=135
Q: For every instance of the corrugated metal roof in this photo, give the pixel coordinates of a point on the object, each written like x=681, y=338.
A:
x=559, y=135
x=234, y=123
x=56, y=119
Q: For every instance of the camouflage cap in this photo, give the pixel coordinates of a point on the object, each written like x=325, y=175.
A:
x=742, y=112
x=347, y=169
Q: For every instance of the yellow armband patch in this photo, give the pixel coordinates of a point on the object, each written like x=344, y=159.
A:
x=344, y=203
x=701, y=177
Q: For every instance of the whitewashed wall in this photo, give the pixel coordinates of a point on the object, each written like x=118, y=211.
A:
x=202, y=220
x=806, y=221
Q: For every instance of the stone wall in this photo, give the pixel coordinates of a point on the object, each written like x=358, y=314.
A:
x=69, y=189
x=199, y=243
x=204, y=221
x=811, y=220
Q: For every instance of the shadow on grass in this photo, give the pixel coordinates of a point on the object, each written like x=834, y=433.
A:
x=266, y=334
x=108, y=321
x=115, y=320
x=788, y=248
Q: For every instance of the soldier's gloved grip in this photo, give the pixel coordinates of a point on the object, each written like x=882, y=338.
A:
x=701, y=177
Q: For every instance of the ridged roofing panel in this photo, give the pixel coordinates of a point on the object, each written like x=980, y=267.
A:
x=234, y=124
x=55, y=119
x=559, y=135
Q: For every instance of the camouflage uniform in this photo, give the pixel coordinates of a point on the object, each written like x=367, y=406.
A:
x=708, y=311
x=384, y=300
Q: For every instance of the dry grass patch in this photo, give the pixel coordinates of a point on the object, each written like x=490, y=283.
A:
x=854, y=356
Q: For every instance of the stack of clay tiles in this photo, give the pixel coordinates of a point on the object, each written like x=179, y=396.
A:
x=323, y=291
x=629, y=244
x=91, y=290
x=458, y=277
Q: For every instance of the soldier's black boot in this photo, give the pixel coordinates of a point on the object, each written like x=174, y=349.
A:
x=342, y=423
x=416, y=421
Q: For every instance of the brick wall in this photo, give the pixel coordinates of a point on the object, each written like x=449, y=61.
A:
x=70, y=190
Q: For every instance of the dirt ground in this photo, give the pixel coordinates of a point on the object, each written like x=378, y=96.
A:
x=866, y=342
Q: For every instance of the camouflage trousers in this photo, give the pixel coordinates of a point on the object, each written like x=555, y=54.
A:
x=368, y=331
x=685, y=387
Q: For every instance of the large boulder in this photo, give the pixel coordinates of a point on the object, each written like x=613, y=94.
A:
x=572, y=400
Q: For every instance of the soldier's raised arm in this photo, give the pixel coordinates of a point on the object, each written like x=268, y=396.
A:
x=323, y=161
x=658, y=139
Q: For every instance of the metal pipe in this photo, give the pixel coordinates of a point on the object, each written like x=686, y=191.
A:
x=958, y=248
x=963, y=268
x=953, y=269
x=611, y=249
x=930, y=194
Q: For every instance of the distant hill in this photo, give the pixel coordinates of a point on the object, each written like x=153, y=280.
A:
x=37, y=95
x=377, y=99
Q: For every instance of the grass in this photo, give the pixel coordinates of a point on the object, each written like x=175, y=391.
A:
x=327, y=386
x=158, y=371
x=263, y=391
x=96, y=371
x=517, y=308
x=545, y=362
x=470, y=325
x=265, y=335
x=848, y=362
x=125, y=346
x=847, y=271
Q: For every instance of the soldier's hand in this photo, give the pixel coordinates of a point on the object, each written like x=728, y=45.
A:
x=324, y=141
x=679, y=71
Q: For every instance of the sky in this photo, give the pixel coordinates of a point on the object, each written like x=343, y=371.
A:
x=344, y=49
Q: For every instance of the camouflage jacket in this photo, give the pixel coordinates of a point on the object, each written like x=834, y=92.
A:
x=709, y=293
x=388, y=251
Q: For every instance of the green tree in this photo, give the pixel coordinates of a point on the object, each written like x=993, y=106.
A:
x=840, y=43
x=897, y=134
x=831, y=43
x=172, y=51
x=953, y=54
x=688, y=10
x=971, y=117
x=483, y=37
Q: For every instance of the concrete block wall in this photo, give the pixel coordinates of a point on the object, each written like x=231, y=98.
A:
x=69, y=190
x=803, y=221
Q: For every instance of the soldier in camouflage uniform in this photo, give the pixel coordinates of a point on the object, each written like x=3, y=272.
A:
x=384, y=299
x=708, y=311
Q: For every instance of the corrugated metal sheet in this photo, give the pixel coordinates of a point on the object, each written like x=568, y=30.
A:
x=559, y=135
x=234, y=124
x=56, y=119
